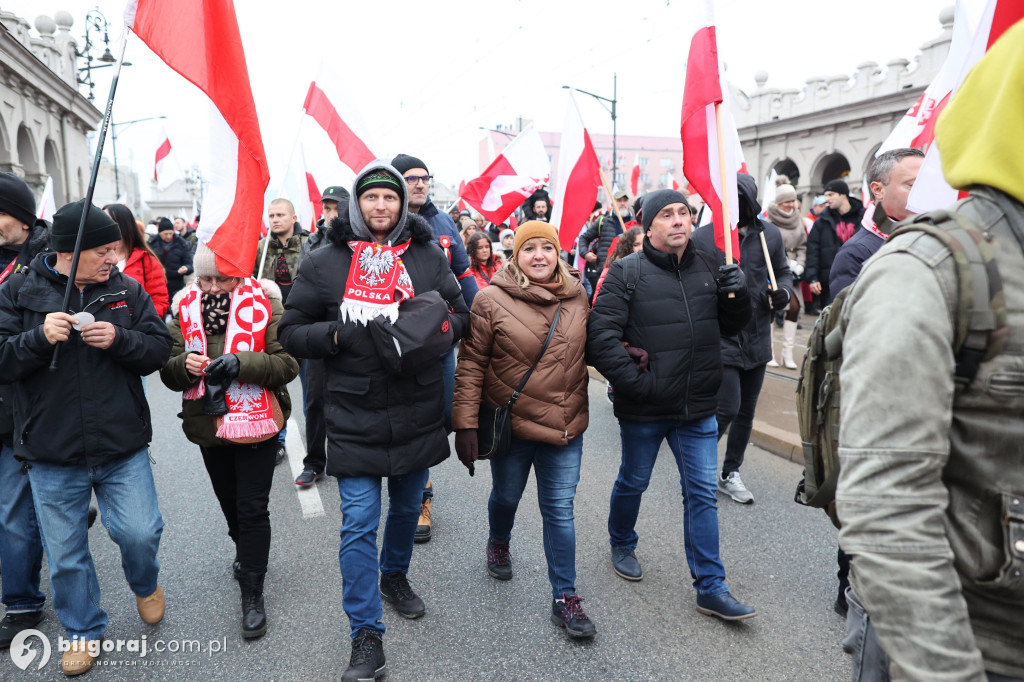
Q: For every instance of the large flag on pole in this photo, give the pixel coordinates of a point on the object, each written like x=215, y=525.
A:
x=214, y=61
x=931, y=191
x=48, y=205
x=579, y=178
x=702, y=161
x=521, y=168
x=162, y=152
x=352, y=151
x=312, y=207
x=634, y=177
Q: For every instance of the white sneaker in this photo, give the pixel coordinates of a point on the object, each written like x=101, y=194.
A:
x=734, y=488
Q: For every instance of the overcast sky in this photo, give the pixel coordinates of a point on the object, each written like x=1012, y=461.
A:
x=424, y=76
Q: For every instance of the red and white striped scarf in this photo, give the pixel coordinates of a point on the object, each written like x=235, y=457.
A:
x=377, y=282
x=250, y=412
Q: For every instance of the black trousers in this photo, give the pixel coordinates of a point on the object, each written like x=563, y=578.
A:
x=316, y=427
x=737, y=400
x=241, y=476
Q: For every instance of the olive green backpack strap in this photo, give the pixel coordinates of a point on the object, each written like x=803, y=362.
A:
x=980, y=327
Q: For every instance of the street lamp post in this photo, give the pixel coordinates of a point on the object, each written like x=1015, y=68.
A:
x=113, y=142
x=613, y=101
x=95, y=22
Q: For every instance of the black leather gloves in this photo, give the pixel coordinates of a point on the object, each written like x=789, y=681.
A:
x=731, y=279
x=467, y=448
x=223, y=369
x=779, y=298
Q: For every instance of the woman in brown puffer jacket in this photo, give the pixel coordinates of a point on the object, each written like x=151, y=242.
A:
x=508, y=324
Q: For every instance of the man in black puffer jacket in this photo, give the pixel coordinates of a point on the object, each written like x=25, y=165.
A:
x=381, y=422
x=174, y=253
x=654, y=333
x=838, y=222
x=745, y=356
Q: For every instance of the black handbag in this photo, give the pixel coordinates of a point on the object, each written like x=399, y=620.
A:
x=494, y=429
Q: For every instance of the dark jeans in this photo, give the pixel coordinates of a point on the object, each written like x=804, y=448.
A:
x=314, y=391
x=241, y=476
x=737, y=400
x=21, y=546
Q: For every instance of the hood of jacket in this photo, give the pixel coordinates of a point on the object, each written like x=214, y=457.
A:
x=746, y=191
x=358, y=225
x=342, y=229
x=976, y=130
x=534, y=293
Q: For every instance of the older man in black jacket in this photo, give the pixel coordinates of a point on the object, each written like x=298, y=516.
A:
x=745, y=356
x=87, y=425
x=384, y=420
x=654, y=334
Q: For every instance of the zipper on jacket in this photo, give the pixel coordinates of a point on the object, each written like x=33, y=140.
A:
x=102, y=297
x=689, y=321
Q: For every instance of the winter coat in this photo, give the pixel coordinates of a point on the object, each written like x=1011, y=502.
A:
x=678, y=316
x=92, y=410
x=507, y=328
x=146, y=269
x=752, y=347
x=378, y=423
x=37, y=242
x=447, y=236
x=857, y=249
x=173, y=255
x=272, y=369
x=483, y=274
x=823, y=242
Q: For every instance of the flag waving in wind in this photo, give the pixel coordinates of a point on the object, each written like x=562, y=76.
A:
x=352, y=151
x=214, y=62
x=579, y=177
x=162, y=152
x=634, y=176
x=521, y=168
x=705, y=118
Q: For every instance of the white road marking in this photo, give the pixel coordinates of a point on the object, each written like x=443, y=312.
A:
x=309, y=498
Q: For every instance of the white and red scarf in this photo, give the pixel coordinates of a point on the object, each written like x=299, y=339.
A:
x=250, y=412
x=868, y=222
x=377, y=282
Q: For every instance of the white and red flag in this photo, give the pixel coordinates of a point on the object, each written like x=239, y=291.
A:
x=579, y=178
x=520, y=169
x=162, y=154
x=634, y=176
x=352, y=151
x=462, y=188
x=309, y=208
x=931, y=191
x=707, y=160
x=214, y=61
x=48, y=205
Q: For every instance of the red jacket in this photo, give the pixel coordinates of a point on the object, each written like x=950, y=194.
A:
x=146, y=269
x=483, y=273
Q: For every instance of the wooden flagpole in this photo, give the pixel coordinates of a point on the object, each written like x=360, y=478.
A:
x=724, y=175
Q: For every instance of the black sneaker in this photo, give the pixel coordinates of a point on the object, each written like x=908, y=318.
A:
x=499, y=560
x=308, y=478
x=367, y=662
x=395, y=589
x=13, y=623
x=568, y=613
x=282, y=455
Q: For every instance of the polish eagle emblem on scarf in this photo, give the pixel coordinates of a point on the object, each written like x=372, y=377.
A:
x=375, y=263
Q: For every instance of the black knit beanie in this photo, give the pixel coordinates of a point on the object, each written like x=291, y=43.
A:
x=403, y=163
x=16, y=199
x=100, y=228
x=657, y=200
x=838, y=186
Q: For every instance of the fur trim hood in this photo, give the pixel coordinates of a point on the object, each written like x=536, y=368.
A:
x=341, y=231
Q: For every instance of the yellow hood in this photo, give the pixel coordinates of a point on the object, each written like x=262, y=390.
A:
x=981, y=132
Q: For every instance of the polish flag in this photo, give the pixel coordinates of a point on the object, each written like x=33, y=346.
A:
x=521, y=168
x=634, y=177
x=314, y=200
x=308, y=208
x=162, y=152
x=352, y=151
x=48, y=205
x=215, y=63
x=462, y=188
x=975, y=36
x=579, y=178
x=702, y=163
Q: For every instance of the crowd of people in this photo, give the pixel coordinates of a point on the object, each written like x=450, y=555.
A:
x=407, y=324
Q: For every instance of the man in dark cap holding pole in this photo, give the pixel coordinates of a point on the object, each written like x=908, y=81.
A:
x=86, y=425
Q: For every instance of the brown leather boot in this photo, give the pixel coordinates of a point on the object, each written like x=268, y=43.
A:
x=423, y=525
x=151, y=608
x=77, y=659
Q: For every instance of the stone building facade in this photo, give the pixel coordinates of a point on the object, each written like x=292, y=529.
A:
x=833, y=126
x=44, y=120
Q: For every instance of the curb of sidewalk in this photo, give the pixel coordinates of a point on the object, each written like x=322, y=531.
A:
x=777, y=441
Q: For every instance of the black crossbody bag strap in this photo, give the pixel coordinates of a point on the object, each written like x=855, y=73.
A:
x=547, y=341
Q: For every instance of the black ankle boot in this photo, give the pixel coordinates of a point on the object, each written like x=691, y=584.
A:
x=254, y=618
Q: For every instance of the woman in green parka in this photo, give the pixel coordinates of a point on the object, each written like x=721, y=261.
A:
x=232, y=372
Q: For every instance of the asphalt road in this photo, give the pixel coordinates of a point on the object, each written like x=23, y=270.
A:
x=779, y=557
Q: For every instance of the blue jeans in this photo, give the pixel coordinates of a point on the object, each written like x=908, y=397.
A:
x=557, y=468
x=129, y=511
x=360, y=569
x=21, y=548
x=694, y=444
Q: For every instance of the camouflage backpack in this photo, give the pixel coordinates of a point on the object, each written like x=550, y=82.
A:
x=980, y=333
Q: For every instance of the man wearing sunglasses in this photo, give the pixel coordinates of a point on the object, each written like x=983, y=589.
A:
x=446, y=235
